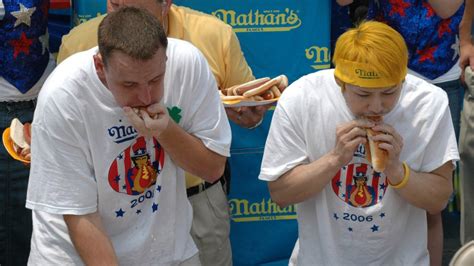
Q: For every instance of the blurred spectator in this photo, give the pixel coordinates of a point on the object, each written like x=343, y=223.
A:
x=466, y=140
x=25, y=62
x=430, y=29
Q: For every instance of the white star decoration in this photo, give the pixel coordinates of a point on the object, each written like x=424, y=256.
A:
x=2, y=10
x=44, y=40
x=23, y=15
x=455, y=47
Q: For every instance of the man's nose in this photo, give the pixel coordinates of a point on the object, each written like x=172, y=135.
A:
x=145, y=95
x=376, y=106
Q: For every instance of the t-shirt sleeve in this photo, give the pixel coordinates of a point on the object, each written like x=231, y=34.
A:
x=206, y=117
x=61, y=176
x=442, y=146
x=285, y=147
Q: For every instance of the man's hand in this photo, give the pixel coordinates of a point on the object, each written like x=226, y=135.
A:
x=392, y=142
x=466, y=57
x=90, y=239
x=146, y=125
x=247, y=117
x=348, y=137
x=344, y=2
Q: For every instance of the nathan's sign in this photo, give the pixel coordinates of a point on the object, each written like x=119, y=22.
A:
x=260, y=20
x=242, y=210
x=319, y=56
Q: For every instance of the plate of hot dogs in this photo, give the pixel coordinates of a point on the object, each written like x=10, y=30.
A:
x=256, y=92
x=17, y=140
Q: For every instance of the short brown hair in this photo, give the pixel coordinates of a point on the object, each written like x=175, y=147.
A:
x=132, y=31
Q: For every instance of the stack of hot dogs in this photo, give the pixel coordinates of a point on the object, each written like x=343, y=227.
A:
x=262, y=89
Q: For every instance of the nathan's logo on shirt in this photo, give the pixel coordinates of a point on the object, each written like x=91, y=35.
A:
x=137, y=167
x=122, y=133
x=244, y=210
x=358, y=184
x=320, y=57
x=364, y=74
x=260, y=20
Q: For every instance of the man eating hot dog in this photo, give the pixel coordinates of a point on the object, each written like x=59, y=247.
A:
x=351, y=211
x=107, y=185
x=221, y=48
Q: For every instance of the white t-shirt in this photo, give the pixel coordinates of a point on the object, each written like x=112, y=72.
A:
x=384, y=229
x=88, y=157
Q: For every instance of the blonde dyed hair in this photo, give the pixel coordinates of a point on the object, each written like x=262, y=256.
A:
x=375, y=44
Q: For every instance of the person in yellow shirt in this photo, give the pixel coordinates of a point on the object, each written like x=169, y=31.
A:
x=221, y=48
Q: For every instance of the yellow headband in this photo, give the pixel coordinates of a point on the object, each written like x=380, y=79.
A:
x=364, y=75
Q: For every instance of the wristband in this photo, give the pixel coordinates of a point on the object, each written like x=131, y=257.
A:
x=404, y=181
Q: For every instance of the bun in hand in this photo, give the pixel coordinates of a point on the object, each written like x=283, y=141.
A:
x=376, y=156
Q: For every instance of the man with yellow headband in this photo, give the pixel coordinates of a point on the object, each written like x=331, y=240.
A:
x=315, y=155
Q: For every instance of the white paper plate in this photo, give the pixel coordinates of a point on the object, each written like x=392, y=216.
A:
x=239, y=103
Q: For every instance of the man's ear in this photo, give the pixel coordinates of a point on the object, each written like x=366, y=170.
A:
x=99, y=67
x=166, y=9
x=340, y=83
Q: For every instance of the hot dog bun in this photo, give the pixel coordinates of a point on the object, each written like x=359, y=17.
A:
x=375, y=155
x=241, y=89
x=17, y=136
x=378, y=157
x=262, y=88
x=138, y=110
x=283, y=83
x=20, y=137
x=27, y=132
x=265, y=88
x=233, y=98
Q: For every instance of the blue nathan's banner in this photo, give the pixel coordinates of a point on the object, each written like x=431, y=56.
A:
x=277, y=37
x=285, y=36
x=83, y=10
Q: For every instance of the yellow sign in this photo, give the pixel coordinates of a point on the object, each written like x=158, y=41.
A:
x=266, y=210
x=260, y=20
x=320, y=56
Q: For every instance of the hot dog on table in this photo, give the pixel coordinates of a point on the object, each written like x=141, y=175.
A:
x=261, y=89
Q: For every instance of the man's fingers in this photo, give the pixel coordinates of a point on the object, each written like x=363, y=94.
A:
x=360, y=123
x=246, y=116
x=354, y=143
x=131, y=115
x=146, y=119
x=156, y=108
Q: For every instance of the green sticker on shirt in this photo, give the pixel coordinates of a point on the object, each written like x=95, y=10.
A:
x=175, y=113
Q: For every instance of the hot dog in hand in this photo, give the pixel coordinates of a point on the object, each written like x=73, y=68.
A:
x=138, y=111
x=375, y=155
x=20, y=135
